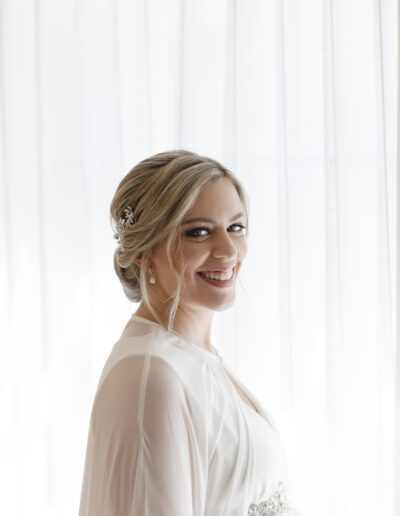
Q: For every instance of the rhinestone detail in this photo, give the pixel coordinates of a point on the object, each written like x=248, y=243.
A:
x=128, y=218
x=276, y=505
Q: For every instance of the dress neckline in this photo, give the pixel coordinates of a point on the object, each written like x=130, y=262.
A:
x=217, y=358
x=214, y=355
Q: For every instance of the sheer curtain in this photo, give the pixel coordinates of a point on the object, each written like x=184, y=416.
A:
x=300, y=100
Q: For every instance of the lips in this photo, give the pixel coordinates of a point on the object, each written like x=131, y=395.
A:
x=218, y=283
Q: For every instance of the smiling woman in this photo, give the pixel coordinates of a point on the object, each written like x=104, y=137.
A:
x=169, y=195
x=199, y=257
x=172, y=430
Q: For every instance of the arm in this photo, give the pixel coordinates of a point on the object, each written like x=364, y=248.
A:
x=142, y=457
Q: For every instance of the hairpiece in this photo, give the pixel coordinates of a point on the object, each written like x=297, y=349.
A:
x=127, y=219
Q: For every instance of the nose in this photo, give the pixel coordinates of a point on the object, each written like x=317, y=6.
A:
x=224, y=247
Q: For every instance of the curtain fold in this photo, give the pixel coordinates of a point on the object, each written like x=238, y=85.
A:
x=301, y=101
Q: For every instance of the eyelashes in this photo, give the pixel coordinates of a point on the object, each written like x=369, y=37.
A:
x=196, y=232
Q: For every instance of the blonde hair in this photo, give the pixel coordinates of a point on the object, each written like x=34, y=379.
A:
x=161, y=190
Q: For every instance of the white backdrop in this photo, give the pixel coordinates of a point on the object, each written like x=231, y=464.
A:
x=299, y=99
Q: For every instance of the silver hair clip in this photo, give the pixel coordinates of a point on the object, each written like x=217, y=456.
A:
x=127, y=219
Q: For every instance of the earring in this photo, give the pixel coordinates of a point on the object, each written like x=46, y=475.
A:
x=152, y=278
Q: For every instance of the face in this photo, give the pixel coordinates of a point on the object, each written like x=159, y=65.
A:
x=214, y=244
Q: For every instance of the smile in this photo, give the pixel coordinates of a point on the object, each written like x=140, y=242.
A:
x=218, y=275
x=218, y=279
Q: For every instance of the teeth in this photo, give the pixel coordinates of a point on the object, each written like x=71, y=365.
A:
x=218, y=275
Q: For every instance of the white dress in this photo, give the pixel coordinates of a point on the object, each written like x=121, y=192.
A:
x=171, y=435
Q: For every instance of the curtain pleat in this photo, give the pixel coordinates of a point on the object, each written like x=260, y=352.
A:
x=334, y=356
x=284, y=228
x=386, y=355
x=395, y=481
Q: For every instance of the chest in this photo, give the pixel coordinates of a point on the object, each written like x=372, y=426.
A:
x=245, y=451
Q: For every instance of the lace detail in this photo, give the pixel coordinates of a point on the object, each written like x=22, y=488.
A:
x=276, y=505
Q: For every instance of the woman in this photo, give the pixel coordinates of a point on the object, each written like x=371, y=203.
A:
x=172, y=431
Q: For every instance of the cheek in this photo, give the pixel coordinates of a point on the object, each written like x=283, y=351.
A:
x=192, y=258
x=242, y=248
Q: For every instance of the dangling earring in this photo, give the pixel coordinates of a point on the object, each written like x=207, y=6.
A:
x=152, y=278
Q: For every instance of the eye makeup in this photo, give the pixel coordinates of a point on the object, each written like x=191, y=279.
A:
x=195, y=231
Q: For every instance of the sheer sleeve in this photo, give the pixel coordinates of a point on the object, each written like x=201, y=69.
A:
x=143, y=457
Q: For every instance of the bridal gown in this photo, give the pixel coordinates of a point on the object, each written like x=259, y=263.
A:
x=174, y=433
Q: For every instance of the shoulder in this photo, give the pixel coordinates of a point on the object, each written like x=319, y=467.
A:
x=137, y=388
x=136, y=372
x=152, y=367
x=166, y=357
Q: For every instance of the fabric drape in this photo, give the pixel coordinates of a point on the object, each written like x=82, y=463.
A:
x=170, y=434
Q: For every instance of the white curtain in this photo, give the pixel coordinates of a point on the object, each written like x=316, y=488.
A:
x=299, y=99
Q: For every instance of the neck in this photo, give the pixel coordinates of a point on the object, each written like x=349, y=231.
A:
x=192, y=323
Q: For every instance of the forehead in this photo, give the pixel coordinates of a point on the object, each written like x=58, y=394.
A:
x=217, y=198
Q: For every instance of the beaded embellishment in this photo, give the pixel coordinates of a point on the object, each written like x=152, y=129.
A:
x=128, y=218
x=276, y=505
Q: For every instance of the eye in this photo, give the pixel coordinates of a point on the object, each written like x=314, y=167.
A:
x=238, y=226
x=196, y=232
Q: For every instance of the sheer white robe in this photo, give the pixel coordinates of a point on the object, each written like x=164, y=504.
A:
x=173, y=433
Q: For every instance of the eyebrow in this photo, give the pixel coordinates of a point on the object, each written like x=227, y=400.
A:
x=211, y=221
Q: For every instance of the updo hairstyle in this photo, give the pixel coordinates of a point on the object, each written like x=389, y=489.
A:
x=160, y=190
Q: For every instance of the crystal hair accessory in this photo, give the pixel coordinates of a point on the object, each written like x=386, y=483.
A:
x=127, y=219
